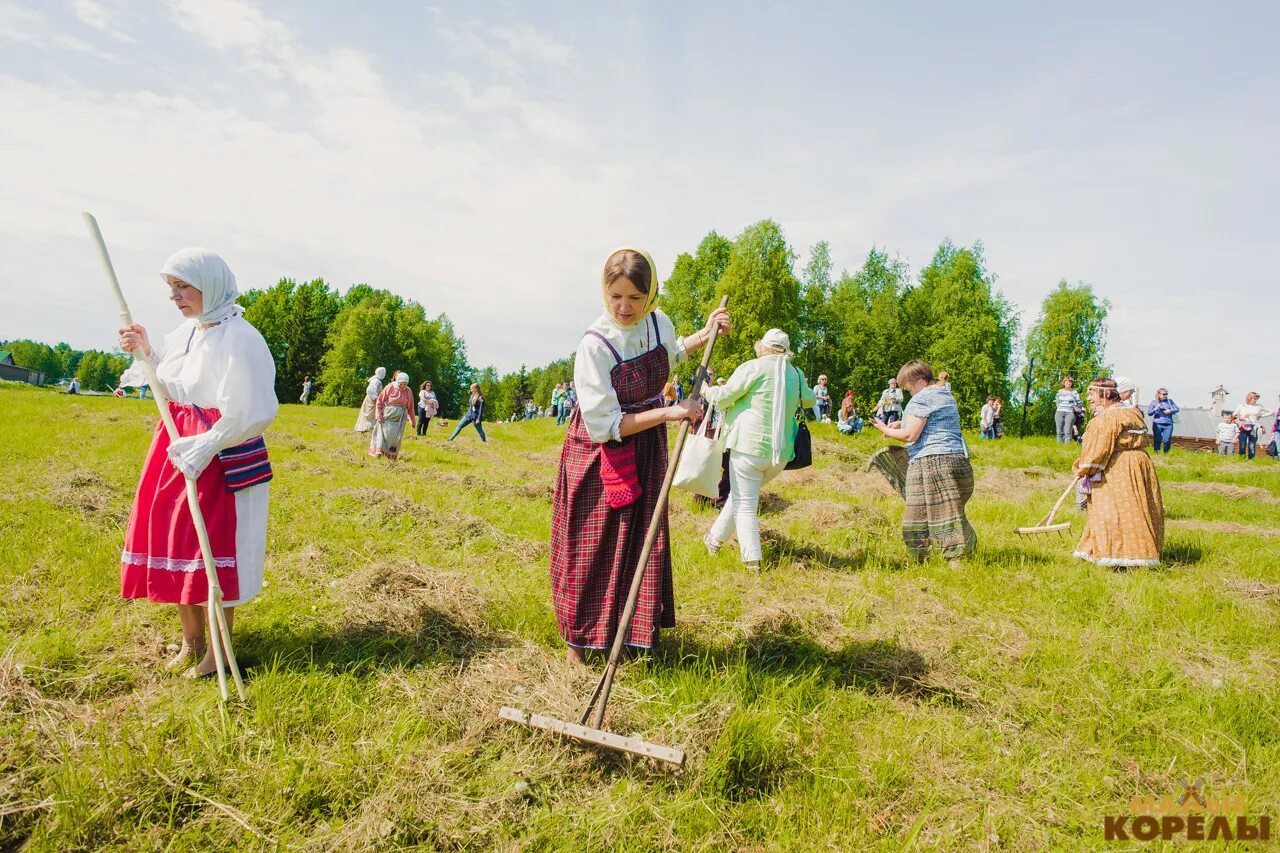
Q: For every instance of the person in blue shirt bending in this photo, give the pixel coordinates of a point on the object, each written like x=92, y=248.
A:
x=939, y=476
x=1161, y=412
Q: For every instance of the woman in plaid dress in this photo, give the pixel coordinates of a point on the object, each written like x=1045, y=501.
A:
x=613, y=461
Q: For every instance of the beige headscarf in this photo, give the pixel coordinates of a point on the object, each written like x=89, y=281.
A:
x=652, y=301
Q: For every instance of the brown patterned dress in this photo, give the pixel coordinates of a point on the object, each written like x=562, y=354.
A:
x=1125, y=525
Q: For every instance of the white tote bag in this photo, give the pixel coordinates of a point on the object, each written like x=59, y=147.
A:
x=699, y=468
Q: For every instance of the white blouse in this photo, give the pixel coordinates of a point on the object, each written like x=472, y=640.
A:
x=601, y=411
x=226, y=367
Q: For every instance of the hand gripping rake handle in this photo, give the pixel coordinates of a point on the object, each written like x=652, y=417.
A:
x=600, y=696
x=218, y=633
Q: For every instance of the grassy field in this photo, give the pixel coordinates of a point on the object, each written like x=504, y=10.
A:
x=843, y=699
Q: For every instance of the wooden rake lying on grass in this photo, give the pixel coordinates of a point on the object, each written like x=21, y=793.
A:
x=595, y=733
x=1046, y=524
x=219, y=635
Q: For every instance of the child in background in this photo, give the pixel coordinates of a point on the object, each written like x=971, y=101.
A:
x=1227, y=432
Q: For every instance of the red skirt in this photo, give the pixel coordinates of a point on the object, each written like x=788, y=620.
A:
x=162, y=560
x=595, y=548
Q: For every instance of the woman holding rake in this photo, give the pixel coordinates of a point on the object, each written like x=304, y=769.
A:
x=613, y=461
x=1118, y=485
x=220, y=380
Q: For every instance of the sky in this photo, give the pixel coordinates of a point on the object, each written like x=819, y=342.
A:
x=484, y=158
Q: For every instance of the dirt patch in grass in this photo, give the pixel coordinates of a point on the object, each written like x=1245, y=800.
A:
x=1226, y=490
x=1224, y=527
x=1254, y=590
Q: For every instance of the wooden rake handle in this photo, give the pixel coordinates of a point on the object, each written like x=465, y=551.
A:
x=218, y=632
x=600, y=696
x=1048, y=519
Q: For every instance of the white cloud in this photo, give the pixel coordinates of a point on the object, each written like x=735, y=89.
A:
x=526, y=41
x=102, y=18
x=27, y=26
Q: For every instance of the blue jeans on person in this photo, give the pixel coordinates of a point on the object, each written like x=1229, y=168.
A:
x=467, y=419
x=563, y=414
x=1248, y=442
x=1063, y=421
x=990, y=432
x=820, y=410
x=1162, y=437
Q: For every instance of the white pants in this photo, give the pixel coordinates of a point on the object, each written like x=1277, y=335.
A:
x=747, y=475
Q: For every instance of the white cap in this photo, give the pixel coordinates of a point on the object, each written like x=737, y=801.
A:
x=1124, y=384
x=775, y=339
x=401, y=376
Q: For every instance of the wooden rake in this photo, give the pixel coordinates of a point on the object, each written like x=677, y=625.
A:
x=219, y=636
x=1046, y=524
x=595, y=733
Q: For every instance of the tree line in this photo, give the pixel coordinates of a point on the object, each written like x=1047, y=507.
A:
x=858, y=328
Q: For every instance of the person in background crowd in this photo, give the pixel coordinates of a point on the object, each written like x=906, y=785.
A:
x=849, y=422
x=1273, y=446
x=669, y=393
x=570, y=403
x=393, y=406
x=939, y=475
x=822, y=408
x=1124, y=526
x=364, y=421
x=889, y=409
x=428, y=405
x=758, y=401
x=474, y=415
x=305, y=399
x=1065, y=403
x=944, y=380
x=74, y=387
x=1161, y=412
x=1249, y=415
x=557, y=400
x=679, y=390
x=987, y=418
x=1226, y=434
x=997, y=425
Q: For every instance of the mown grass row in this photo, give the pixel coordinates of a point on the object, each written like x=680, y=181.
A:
x=843, y=699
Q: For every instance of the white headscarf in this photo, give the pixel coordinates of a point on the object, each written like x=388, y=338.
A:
x=402, y=377
x=208, y=273
x=777, y=343
x=380, y=373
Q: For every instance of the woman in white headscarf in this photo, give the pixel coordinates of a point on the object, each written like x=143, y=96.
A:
x=759, y=403
x=219, y=376
x=364, y=421
x=393, y=408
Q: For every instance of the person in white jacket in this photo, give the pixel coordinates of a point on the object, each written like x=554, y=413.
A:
x=219, y=376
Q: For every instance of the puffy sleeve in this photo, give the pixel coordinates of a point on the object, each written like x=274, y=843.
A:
x=1098, y=444
x=667, y=331
x=373, y=389
x=136, y=374
x=380, y=401
x=246, y=398
x=598, y=402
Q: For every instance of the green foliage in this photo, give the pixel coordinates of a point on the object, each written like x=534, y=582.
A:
x=763, y=293
x=294, y=319
x=1068, y=339
x=812, y=338
x=53, y=362
x=381, y=329
x=868, y=342
x=958, y=323
x=689, y=294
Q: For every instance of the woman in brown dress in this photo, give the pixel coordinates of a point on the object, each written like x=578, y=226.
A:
x=1125, y=526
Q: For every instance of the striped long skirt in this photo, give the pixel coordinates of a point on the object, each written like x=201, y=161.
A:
x=938, y=487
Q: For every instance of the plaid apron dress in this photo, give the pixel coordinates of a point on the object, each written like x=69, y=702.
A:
x=594, y=548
